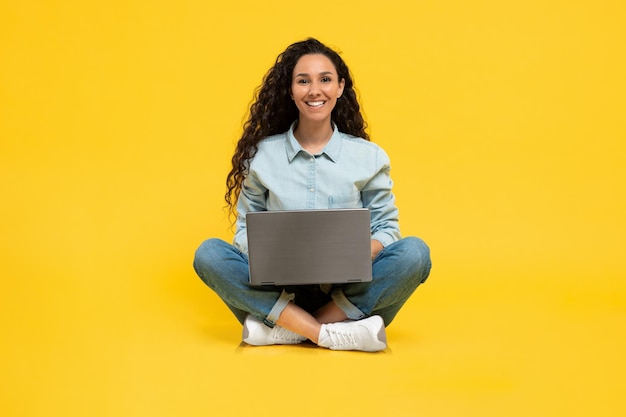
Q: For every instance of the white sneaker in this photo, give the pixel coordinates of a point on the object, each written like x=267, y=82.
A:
x=367, y=335
x=256, y=333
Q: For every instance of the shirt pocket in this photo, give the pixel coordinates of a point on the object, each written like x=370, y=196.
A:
x=351, y=200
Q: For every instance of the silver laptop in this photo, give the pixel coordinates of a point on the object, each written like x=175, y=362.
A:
x=309, y=246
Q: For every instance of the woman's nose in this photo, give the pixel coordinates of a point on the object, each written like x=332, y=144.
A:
x=314, y=89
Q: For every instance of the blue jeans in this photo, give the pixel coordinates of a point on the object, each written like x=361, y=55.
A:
x=396, y=272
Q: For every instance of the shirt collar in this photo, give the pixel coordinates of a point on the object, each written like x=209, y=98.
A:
x=331, y=150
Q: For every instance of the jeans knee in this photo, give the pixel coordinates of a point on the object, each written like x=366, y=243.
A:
x=420, y=256
x=205, y=257
x=205, y=251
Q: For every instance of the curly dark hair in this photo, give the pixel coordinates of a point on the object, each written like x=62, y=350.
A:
x=273, y=110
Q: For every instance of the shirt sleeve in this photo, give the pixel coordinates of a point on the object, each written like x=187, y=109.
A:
x=253, y=197
x=377, y=196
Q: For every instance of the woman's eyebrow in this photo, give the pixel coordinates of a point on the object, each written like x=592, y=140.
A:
x=304, y=74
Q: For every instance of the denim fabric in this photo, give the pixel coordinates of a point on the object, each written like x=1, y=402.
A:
x=397, y=271
x=350, y=172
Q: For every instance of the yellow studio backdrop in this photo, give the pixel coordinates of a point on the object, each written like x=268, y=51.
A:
x=504, y=122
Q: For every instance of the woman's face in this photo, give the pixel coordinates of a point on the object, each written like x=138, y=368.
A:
x=315, y=87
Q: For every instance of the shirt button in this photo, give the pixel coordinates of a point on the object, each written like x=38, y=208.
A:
x=312, y=190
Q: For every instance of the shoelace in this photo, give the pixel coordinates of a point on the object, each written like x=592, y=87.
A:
x=341, y=337
x=282, y=334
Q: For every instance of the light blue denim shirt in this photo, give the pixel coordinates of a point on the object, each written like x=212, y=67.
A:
x=349, y=172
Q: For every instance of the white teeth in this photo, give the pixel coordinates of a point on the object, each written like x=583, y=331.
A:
x=315, y=103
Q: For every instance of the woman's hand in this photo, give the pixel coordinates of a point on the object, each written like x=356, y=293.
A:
x=376, y=247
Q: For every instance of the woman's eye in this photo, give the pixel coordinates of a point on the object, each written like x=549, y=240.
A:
x=326, y=79
x=302, y=81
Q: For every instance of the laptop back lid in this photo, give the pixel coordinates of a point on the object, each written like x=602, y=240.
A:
x=309, y=246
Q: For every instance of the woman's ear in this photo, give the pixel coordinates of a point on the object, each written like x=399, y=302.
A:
x=342, y=85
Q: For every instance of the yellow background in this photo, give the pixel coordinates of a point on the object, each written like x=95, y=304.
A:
x=505, y=125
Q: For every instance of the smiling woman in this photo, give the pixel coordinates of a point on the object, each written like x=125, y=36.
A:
x=505, y=126
x=305, y=147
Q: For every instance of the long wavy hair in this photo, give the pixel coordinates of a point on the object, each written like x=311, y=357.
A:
x=273, y=110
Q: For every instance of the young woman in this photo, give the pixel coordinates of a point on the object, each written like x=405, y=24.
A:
x=304, y=146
